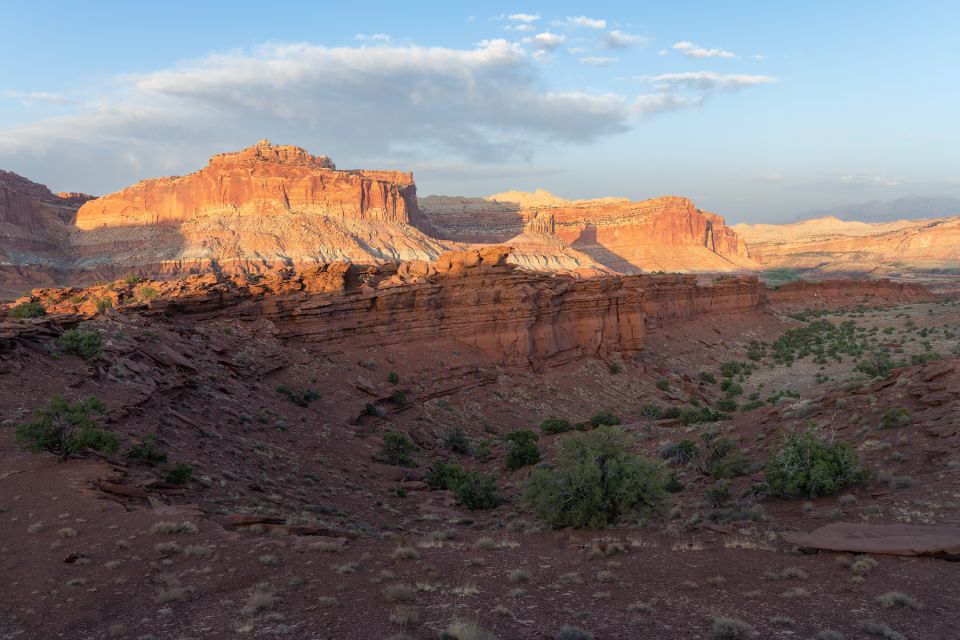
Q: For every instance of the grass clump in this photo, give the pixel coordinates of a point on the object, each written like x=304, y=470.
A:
x=733, y=629
x=604, y=419
x=595, y=482
x=568, y=632
x=67, y=428
x=896, y=599
x=806, y=466
x=81, y=342
x=146, y=451
x=444, y=475
x=895, y=417
x=180, y=473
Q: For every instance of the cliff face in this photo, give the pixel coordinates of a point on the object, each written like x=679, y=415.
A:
x=675, y=298
x=663, y=234
x=516, y=318
x=260, y=180
x=829, y=244
x=847, y=293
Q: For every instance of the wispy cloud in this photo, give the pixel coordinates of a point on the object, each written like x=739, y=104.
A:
x=30, y=98
x=523, y=17
x=616, y=39
x=583, y=21
x=598, y=61
x=376, y=37
x=709, y=80
x=869, y=179
x=693, y=51
x=546, y=40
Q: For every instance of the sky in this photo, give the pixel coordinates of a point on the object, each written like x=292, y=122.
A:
x=757, y=110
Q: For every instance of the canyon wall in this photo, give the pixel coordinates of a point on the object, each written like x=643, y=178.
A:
x=848, y=293
x=516, y=318
x=33, y=221
x=675, y=298
x=663, y=234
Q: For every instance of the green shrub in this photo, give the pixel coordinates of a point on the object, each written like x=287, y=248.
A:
x=806, y=466
x=81, y=342
x=596, y=482
x=555, y=425
x=146, y=451
x=457, y=441
x=147, y=293
x=393, y=378
x=484, y=450
x=399, y=397
x=523, y=449
x=103, y=304
x=604, y=419
x=652, y=411
x=180, y=474
x=131, y=279
x=708, y=377
x=731, y=388
x=731, y=369
x=615, y=367
x=299, y=397
x=718, y=495
x=477, y=491
x=663, y=384
x=895, y=417
x=750, y=406
x=444, y=475
x=67, y=428
x=876, y=365
x=680, y=452
x=673, y=484
x=397, y=449
x=727, y=404
x=29, y=309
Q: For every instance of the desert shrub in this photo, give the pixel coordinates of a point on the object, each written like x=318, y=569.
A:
x=567, y=632
x=555, y=425
x=733, y=629
x=604, y=419
x=718, y=495
x=681, y=452
x=484, y=450
x=806, y=467
x=180, y=473
x=399, y=397
x=876, y=365
x=81, y=342
x=103, y=304
x=731, y=388
x=663, y=384
x=299, y=397
x=895, y=417
x=523, y=449
x=146, y=451
x=615, y=367
x=477, y=491
x=457, y=441
x=147, y=293
x=444, y=475
x=727, y=404
x=732, y=368
x=29, y=309
x=131, y=279
x=652, y=411
x=756, y=351
x=708, y=377
x=67, y=428
x=750, y=406
x=393, y=378
x=595, y=482
x=397, y=449
x=673, y=484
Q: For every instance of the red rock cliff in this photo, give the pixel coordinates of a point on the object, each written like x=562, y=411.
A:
x=265, y=180
x=847, y=293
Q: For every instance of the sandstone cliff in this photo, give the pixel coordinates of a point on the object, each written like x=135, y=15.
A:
x=663, y=234
x=832, y=245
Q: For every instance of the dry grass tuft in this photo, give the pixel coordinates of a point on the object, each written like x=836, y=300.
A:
x=896, y=599
x=405, y=552
x=171, y=590
x=260, y=598
x=400, y=592
x=733, y=629
x=462, y=630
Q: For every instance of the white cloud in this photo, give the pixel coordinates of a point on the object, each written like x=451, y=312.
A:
x=693, y=51
x=523, y=17
x=30, y=98
x=708, y=80
x=598, y=61
x=584, y=21
x=522, y=27
x=616, y=39
x=546, y=40
x=488, y=103
x=376, y=37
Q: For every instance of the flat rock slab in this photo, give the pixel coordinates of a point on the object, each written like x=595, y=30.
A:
x=940, y=541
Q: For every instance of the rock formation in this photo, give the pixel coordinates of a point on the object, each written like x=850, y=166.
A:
x=664, y=234
x=833, y=245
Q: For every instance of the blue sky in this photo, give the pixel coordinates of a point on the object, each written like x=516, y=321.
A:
x=758, y=111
